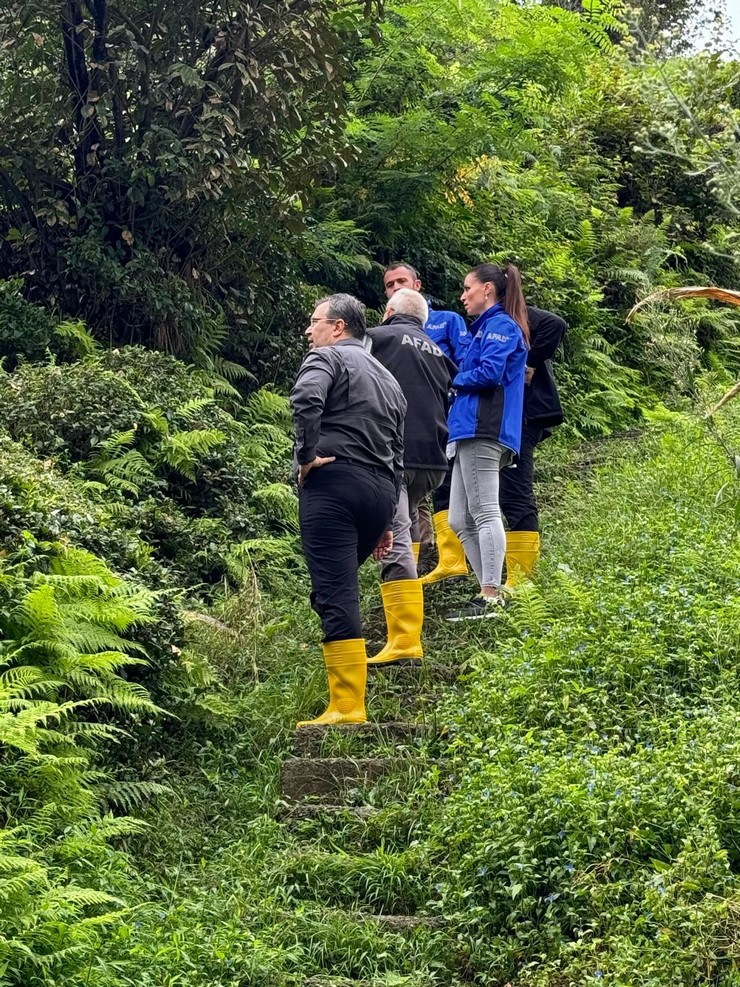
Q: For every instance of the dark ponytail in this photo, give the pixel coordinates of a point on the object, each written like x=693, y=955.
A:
x=508, y=284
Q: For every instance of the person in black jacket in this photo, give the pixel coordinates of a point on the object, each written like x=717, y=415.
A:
x=349, y=413
x=424, y=373
x=542, y=412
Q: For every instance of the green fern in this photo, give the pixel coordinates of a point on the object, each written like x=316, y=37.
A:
x=279, y=504
x=57, y=672
x=76, y=335
x=183, y=451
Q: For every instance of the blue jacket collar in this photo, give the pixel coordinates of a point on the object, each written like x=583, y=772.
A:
x=484, y=317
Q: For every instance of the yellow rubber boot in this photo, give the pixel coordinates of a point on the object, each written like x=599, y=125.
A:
x=416, y=549
x=522, y=552
x=403, y=602
x=346, y=670
x=452, y=562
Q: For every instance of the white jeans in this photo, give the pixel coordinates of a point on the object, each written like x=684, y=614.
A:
x=475, y=516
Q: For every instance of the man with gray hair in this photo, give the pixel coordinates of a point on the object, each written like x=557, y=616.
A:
x=424, y=373
x=348, y=412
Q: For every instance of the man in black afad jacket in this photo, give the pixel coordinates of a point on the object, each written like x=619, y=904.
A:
x=542, y=412
x=348, y=412
x=424, y=373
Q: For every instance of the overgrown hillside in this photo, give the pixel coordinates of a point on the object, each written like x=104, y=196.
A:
x=570, y=818
x=196, y=175
x=555, y=801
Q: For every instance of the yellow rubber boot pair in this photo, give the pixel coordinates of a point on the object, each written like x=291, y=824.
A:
x=403, y=603
x=452, y=562
x=522, y=553
x=346, y=671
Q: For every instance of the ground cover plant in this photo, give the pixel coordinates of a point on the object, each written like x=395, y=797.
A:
x=192, y=180
x=581, y=825
x=589, y=833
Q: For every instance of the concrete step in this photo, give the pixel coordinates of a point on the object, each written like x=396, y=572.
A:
x=312, y=811
x=418, y=673
x=406, y=923
x=344, y=982
x=304, y=777
x=313, y=741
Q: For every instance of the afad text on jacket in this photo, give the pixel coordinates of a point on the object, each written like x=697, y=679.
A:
x=489, y=386
x=424, y=374
x=449, y=331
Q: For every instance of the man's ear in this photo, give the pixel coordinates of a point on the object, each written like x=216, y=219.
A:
x=340, y=327
x=389, y=311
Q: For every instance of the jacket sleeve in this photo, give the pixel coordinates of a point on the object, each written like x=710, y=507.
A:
x=456, y=327
x=546, y=338
x=494, y=351
x=398, y=468
x=307, y=400
x=445, y=344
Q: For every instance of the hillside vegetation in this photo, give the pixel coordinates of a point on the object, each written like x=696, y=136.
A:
x=575, y=822
x=171, y=204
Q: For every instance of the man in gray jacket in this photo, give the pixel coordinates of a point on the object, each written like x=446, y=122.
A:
x=349, y=414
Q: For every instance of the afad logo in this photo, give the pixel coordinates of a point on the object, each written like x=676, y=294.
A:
x=421, y=344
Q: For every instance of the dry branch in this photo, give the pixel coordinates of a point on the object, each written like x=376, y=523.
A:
x=692, y=291
x=695, y=291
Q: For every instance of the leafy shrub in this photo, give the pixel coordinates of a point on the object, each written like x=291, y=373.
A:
x=142, y=423
x=64, y=620
x=25, y=329
x=67, y=411
x=29, y=331
x=589, y=829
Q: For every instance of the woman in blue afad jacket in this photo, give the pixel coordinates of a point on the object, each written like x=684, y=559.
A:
x=485, y=423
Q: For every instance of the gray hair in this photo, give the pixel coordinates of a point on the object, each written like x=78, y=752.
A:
x=406, y=301
x=350, y=310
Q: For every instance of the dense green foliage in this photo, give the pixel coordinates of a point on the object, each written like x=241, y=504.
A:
x=583, y=826
x=514, y=137
x=592, y=829
x=137, y=183
x=190, y=182
x=63, y=615
x=183, y=188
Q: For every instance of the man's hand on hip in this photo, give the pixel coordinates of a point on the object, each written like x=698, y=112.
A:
x=383, y=547
x=304, y=470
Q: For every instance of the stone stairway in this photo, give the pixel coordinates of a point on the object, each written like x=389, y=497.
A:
x=348, y=787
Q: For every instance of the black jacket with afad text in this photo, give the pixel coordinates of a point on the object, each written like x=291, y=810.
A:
x=541, y=399
x=345, y=404
x=425, y=374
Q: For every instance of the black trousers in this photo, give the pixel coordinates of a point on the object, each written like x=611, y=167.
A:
x=516, y=489
x=441, y=496
x=344, y=509
x=516, y=486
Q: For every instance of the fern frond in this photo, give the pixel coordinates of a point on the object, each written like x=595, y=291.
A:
x=279, y=503
x=132, y=795
x=189, y=412
x=76, y=333
x=183, y=450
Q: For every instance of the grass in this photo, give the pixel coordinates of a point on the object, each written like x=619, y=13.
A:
x=578, y=820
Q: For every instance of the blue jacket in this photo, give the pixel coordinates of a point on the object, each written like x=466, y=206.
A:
x=449, y=332
x=489, y=385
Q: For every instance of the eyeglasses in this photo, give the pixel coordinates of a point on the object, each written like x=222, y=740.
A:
x=315, y=322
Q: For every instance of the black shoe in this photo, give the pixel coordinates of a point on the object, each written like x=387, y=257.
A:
x=479, y=608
